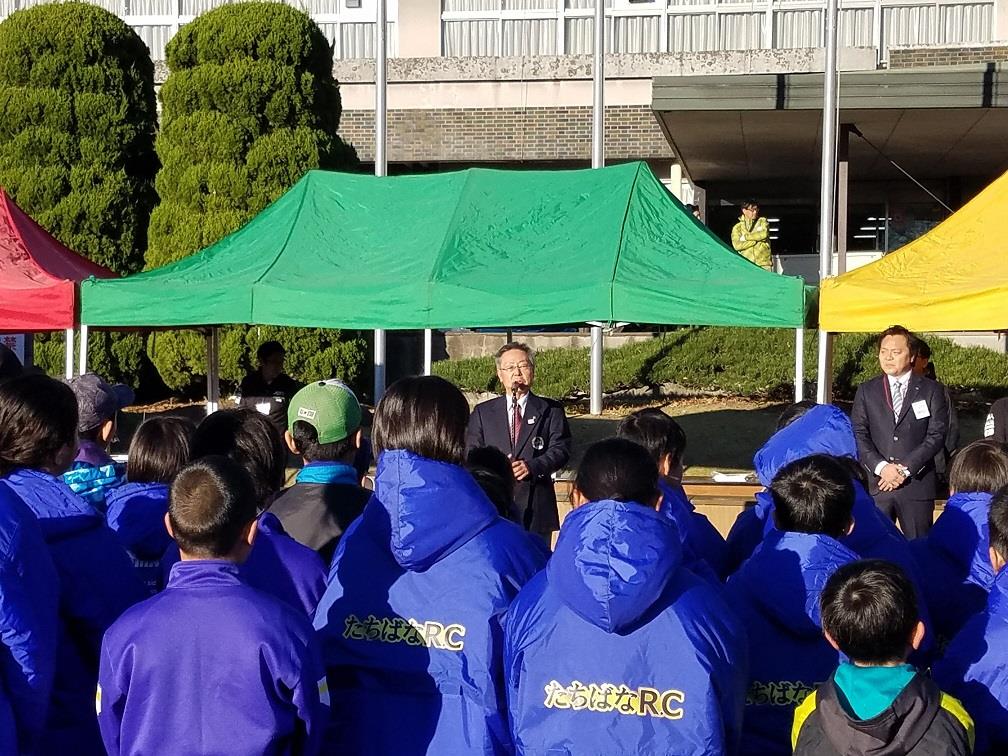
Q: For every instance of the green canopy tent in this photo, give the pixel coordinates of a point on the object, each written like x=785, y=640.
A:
x=474, y=248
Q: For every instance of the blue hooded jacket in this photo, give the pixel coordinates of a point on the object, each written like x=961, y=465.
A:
x=136, y=514
x=975, y=670
x=29, y=625
x=97, y=584
x=212, y=666
x=954, y=564
x=824, y=429
x=277, y=565
x=412, y=620
x=776, y=595
x=616, y=649
x=703, y=549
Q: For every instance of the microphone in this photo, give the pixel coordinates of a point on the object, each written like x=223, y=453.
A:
x=514, y=408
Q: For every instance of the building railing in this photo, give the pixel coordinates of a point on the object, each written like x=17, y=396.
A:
x=348, y=24
x=565, y=27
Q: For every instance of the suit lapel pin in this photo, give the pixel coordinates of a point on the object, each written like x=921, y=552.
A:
x=532, y=420
x=538, y=443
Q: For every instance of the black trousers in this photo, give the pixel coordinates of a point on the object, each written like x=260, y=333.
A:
x=915, y=515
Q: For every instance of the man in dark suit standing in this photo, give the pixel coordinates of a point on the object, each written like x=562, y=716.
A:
x=900, y=420
x=531, y=430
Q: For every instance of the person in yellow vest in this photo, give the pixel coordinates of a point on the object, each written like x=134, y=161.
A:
x=751, y=236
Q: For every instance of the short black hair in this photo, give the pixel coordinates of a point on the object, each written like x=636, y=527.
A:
x=982, y=466
x=813, y=495
x=870, y=610
x=491, y=469
x=898, y=330
x=656, y=432
x=306, y=440
x=746, y=204
x=794, y=412
x=997, y=521
x=855, y=469
x=38, y=419
x=269, y=349
x=425, y=415
x=211, y=500
x=10, y=365
x=250, y=439
x=159, y=449
x=921, y=348
x=618, y=469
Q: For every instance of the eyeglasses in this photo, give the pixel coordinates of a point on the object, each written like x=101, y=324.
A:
x=521, y=366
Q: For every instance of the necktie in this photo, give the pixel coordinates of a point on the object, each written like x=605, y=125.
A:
x=897, y=399
x=516, y=425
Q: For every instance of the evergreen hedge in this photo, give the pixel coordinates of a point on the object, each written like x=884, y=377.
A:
x=77, y=122
x=249, y=106
x=751, y=362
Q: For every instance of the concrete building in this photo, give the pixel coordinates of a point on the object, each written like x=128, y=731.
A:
x=720, y=97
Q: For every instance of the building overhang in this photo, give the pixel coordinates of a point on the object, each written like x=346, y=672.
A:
x=934, y=122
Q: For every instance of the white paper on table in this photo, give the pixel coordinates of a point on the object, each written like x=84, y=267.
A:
x=720, y=477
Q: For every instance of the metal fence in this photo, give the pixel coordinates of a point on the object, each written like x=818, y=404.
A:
x=557, y=27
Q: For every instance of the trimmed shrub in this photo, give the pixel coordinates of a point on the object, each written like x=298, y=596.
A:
x=250, y=105
x=77, y=122
x=753, y=362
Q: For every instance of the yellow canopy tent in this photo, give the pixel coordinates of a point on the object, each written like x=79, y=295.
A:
x=954, y=278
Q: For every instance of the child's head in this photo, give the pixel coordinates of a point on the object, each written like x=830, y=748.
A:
x=98, y=404
x=38, y=424
x=793, y=412
x=869, y=612
x=491, y=469
x=662, y=436
x=212, y=510
x=250, y=439
x=617, y=469
x=980, y=467
x=813, y=495
x=323, y=423
x=997, y=521
x=160, y=448
x=425, y=415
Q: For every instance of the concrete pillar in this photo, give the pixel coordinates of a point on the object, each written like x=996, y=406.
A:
x=675, y=181
x=419, y=28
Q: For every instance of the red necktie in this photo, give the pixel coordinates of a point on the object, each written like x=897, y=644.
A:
x=516, y=425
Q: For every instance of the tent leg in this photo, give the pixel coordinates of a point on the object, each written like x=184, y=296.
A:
x=428, y=350
x=595, y=401
x=82, y=362
x=379, y=364
x=799, y=364
x=69, y=336
x=824, y=389
x=213, y=370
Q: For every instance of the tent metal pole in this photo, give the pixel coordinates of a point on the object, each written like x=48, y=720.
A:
x=380, y=165
x=428, y=350
x=598, y=161
x=799, y=364
x=83, y=355
x=69, y=348
x=213, y=370
x=827, y=193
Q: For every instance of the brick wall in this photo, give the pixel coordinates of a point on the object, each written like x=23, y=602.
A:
x=916, y=57
x=506, y=134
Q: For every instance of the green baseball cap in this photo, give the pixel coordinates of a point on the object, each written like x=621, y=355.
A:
x=330, y=407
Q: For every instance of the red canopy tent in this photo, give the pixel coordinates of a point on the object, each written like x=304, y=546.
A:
x=38, y=275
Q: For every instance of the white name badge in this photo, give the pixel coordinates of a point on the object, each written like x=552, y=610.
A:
x=920, y=408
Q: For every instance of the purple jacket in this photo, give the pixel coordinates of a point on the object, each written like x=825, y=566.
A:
x=277, y=565
x=97, y=583
x=211, y=666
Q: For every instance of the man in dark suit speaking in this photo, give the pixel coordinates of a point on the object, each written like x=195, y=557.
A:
x=900, y=420
x=531, y=430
